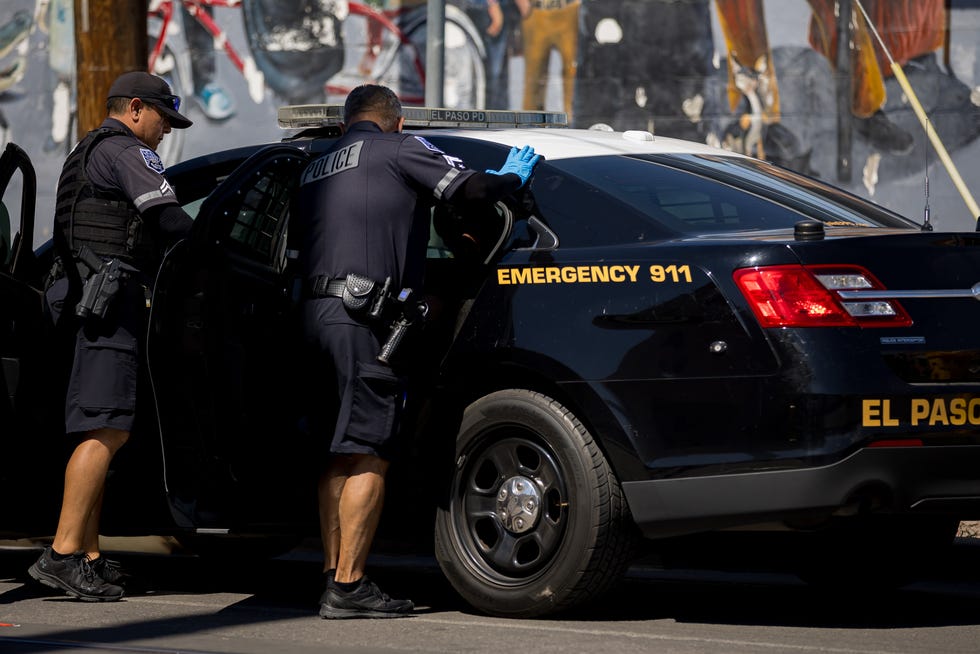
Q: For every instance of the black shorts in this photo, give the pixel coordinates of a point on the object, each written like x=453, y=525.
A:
x=362, y=403
x=102, y=385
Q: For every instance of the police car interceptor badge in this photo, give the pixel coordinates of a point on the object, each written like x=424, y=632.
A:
x=152, y=160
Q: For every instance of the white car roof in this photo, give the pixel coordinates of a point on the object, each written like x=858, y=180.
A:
x=542, y=130
x=565, y=143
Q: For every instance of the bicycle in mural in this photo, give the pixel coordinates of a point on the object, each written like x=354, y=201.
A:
x=305, y=57
x=299, y=53
x=393, y=54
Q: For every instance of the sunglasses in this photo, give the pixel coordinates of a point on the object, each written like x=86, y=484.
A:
x=172, y=101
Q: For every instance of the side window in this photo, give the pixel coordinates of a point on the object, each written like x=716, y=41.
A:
x=258, y=225
x=486, y=225
x=249, y=211
x=582, y=214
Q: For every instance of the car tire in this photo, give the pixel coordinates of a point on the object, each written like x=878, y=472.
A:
x=536, y=521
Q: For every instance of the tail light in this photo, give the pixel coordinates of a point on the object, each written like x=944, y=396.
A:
x=798, y=296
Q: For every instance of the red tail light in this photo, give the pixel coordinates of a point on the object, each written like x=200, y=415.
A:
x=797, y=296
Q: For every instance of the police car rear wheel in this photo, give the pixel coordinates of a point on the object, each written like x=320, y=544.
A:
x=536, y=521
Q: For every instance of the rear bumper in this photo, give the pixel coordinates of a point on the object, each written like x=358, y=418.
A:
x=917, y=480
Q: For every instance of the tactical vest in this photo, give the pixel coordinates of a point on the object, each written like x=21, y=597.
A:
x=105, y=221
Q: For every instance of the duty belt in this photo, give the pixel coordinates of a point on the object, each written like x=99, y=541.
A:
x=323, y=286
x=552, y=4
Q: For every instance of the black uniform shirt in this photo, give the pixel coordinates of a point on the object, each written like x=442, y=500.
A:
x=365, y=204
x=127, y=165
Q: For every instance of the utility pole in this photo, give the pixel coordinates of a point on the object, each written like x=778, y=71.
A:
x=110, y=39
x=435, y=52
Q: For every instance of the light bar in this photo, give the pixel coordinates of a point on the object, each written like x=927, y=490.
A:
x=331, y=115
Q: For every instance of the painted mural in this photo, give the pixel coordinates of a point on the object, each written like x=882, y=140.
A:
x=791, y=81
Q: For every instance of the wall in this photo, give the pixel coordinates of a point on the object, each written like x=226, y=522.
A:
x=631, y=64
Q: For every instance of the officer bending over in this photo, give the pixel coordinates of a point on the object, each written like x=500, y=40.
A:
x=114, y=209
x=363, y=209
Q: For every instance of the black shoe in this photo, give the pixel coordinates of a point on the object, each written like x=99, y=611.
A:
x=75, y=576
x=110, y=571
x=883, y=134
x=365, y=601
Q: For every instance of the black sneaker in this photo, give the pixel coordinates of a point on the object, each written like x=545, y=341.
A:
x=365, y=601
x=110, y=571
x=75, y=576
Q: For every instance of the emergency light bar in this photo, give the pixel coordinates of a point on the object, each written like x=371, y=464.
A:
x=331, y=115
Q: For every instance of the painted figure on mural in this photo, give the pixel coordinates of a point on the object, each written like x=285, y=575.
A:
x=549, y=25
x=211, y=97
x=909, y=28
x=298, y=46
x=496, y=20
x=643, y=62
x=13, y=58
x=56, y=18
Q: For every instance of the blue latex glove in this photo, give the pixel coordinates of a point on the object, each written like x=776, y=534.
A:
x=520, y=162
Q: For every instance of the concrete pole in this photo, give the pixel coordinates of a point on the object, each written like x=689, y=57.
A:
x=110, y=39
x=843, y=81
x=435, y=52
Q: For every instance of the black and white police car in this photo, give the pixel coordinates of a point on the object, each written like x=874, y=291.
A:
x=655, y=338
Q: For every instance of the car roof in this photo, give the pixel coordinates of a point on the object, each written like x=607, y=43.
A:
x=565, y=143
x=545, y=131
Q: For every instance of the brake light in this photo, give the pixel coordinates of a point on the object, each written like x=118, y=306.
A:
x=798, y=296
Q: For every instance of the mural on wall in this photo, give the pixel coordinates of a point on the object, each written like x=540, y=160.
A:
x=715, y=71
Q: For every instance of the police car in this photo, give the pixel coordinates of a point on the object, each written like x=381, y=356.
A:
x=653, y=338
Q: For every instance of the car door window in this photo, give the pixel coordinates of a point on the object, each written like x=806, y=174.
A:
x=250, y=210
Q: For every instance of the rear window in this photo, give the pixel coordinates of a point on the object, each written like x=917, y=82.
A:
x=694, y=194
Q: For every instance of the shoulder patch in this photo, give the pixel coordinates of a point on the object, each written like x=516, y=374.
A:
x=428, y=145
x=152, y=160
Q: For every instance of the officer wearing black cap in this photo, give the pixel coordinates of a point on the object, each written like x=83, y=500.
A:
x=363, y=213
x=114, y=212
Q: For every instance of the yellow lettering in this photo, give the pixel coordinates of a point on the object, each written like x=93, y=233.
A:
x=538, y=275
x=552, y=274
x=938, y=416
x=616, y=274
x=600, y=273
x=583, y=274
x=886, y=414
x=568, y=275
x=520, y=275
x=870, y=412
x=631, y=271
x=957, y=411
x=503, y=276
x=657, y=273
x=920, y=409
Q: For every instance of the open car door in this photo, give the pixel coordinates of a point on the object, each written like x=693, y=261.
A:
x=31, y=384
x=223, y=355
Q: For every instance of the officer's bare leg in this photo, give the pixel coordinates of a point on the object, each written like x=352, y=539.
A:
x=331, y=485
x=84, y=482
x=91, y=543
x=356, y=510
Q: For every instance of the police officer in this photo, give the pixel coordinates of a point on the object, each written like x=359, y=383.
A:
x=364, y=208
x=114, y=208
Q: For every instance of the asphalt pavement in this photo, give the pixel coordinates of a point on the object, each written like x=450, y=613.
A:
x=674, y=602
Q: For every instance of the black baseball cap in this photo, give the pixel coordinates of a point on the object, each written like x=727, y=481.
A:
x=153, y=90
